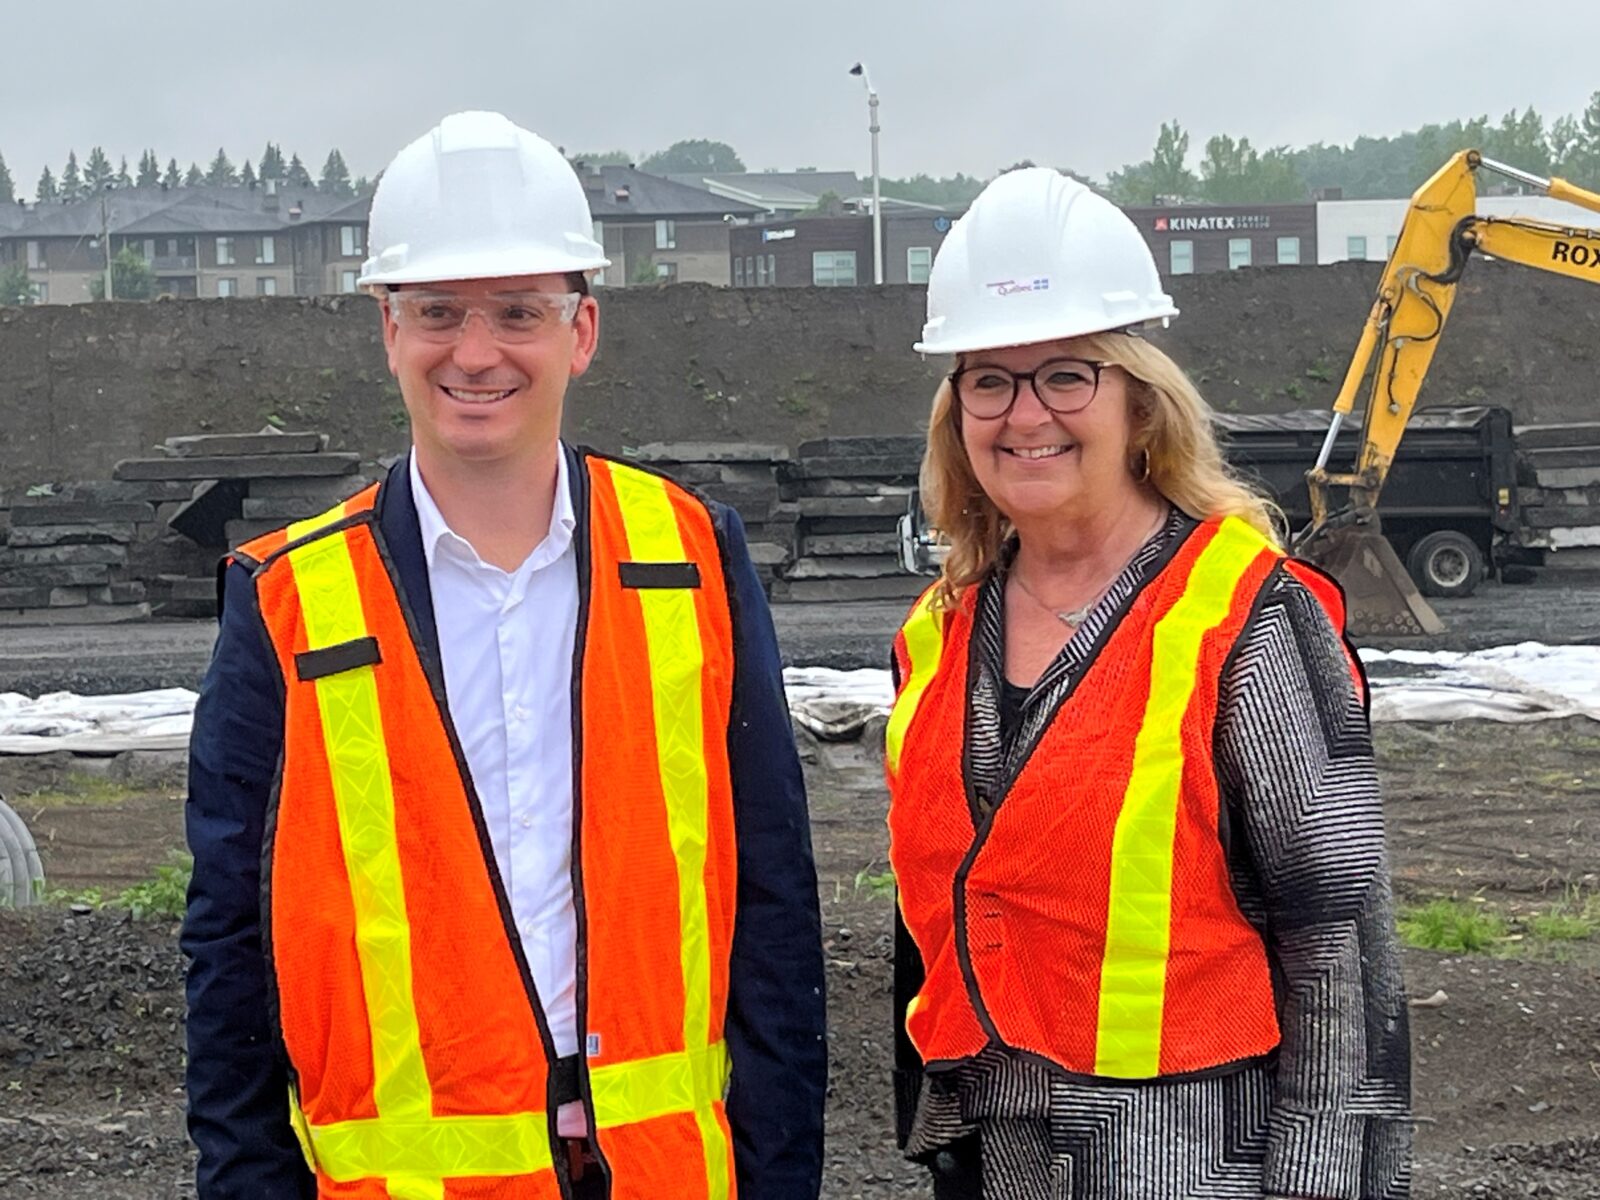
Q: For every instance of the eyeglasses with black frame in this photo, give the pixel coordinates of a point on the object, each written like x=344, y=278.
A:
x=1063, y=385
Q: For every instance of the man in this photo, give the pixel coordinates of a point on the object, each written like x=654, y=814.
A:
x=503, y=881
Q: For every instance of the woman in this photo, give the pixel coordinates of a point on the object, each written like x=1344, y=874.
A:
x=1146, y=944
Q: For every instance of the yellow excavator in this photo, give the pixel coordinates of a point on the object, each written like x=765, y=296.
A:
x=1442, y=230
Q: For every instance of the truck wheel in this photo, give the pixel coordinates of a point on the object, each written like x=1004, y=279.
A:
x=1446, y=563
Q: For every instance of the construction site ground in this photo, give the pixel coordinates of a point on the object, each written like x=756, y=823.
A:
x=1502, y=818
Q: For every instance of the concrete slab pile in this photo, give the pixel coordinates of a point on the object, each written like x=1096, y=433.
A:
x=746, y=476
x=239, y=485
x=1559, y=471
x=851, y=493
x=81, y=553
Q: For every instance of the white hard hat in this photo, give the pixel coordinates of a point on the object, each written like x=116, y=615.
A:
x=478, y=198
x=1037, y=258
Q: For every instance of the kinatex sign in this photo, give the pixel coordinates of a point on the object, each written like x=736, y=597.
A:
x=1212, y=224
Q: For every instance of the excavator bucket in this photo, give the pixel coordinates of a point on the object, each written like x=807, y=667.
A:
x=1379, y=596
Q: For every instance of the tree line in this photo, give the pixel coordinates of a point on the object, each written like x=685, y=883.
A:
x=96, y=174
x=1232, y=171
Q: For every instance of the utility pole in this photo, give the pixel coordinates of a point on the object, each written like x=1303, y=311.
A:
x=877, y=196
x=105, y=242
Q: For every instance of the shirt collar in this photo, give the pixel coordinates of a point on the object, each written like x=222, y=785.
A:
x=435, y=529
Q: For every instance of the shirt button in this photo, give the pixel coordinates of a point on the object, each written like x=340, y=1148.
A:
x=527, y=821
x=520, y=713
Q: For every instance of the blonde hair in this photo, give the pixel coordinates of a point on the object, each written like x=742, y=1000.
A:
x=1169, y=419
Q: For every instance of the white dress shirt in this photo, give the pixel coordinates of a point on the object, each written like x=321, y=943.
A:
x=506, y=642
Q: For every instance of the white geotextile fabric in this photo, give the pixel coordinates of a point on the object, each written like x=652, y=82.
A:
x=155, y=720
x=1525, y=682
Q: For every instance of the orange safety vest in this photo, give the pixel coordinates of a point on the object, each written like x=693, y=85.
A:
x=420, y=1057
x=1089, y=919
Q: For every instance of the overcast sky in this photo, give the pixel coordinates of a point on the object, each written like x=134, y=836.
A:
x=966, y=85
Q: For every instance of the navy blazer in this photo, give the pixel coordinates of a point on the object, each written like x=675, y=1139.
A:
x=237, y=1080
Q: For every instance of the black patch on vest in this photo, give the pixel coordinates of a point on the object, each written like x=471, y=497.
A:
x=330, y=660
x=659, y=574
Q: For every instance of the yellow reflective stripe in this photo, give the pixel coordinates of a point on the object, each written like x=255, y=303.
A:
x=1133, y=975
x=412, y=1152
x=676, y=656
x=924, y=635
x=358, y=765
x=627, y=1092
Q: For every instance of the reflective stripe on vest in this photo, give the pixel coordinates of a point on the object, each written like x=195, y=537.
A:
x=923, y=639
x=1133, y=975
x=408, y=1143
x=1088, y=917
x=672, y=634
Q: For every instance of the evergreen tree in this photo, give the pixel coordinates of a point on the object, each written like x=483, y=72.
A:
x=221, y=173
x=46, y=191
x=247, y=175
x=8, y=188
x=123, y=178
x=335, y=176
x=194, y=177
x=271, y=163
x=297, y=175
x=149, y=170
x=97, y=171
x=71, y=178
x=172, y=179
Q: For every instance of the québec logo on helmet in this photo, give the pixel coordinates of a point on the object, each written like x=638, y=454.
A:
x=1011, y=287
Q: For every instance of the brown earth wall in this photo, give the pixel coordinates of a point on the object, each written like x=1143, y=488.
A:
x=86, y=385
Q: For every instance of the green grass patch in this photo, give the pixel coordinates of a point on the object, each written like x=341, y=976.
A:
x=77, y=789
x=1573, y=918
x=1453, y=926
x=878, y=885
x=164, y=894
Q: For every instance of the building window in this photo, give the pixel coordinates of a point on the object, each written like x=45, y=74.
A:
x=1355, y=248
x=761, y=270
x=1182, y=261
x=919, y=263
x=1393, y=238
x=600, y=240
x=833, y=268
x=772, y=269
x=227, y=287
x=41, y=292
x=224, y=252
x=351, y=243
x=749, y=272
x=347, y=280
x=666, y=235
x=266, y=285
x=1289, y=251
x=738, y=272
x=36, y=259
x=269, y=250
x=1238, y=253
x=667, y=272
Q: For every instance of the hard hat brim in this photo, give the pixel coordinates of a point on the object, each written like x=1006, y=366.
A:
x=496, y=265
x=1039, y=333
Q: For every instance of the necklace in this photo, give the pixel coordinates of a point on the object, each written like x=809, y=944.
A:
x=1073, y=617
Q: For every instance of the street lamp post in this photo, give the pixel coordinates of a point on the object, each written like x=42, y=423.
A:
x=877, y=197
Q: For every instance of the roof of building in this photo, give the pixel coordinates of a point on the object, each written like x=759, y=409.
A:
x=773, y=190
x=154, y=211
x=617, y=191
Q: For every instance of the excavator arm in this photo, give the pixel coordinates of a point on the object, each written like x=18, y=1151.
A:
x=1442, y=230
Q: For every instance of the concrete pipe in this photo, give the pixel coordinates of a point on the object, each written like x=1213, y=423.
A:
x=21, y=872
